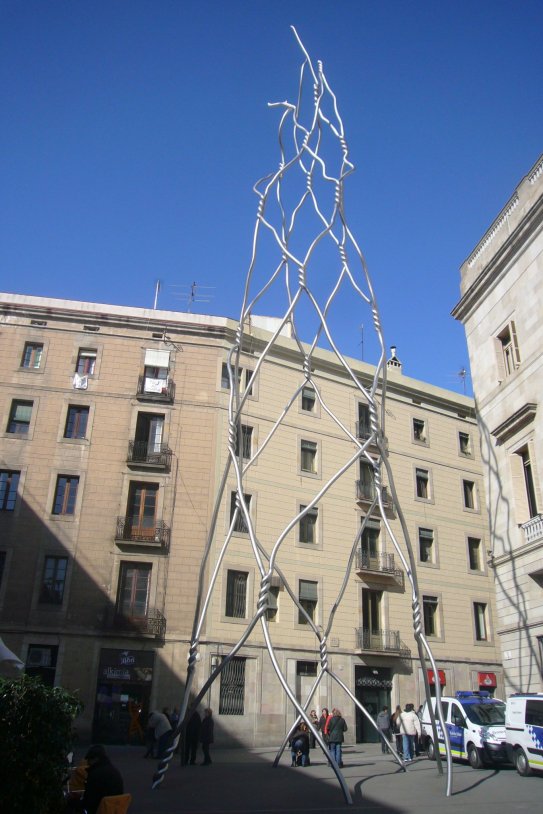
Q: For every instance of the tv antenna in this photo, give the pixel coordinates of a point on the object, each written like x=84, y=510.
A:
x=194, y=293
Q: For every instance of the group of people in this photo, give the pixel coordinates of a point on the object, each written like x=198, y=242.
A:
x=404, y=725
x=160, y=731
x=330, y=725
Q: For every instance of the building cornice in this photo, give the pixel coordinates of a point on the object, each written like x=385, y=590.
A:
x=520, y=418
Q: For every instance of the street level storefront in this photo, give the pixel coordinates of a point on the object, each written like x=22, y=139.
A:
x=123, y=692
x=373, y=687
x=432, y=681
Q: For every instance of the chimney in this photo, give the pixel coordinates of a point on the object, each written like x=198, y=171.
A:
x=394, y=363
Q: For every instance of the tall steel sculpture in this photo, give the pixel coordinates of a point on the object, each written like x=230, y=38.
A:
x=311, y=143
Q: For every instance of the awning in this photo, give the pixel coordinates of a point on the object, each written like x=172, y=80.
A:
x=157, y=358
x=442, y=679
x=487, y=680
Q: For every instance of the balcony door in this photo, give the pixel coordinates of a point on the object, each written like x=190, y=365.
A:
x=142, y=509
x=369, y=545
x=371, y=618
x=149, y=434
x=133, y=594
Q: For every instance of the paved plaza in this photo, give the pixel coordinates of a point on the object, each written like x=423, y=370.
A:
x=241, y=781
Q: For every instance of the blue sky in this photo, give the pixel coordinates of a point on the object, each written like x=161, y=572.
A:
x=133, y=133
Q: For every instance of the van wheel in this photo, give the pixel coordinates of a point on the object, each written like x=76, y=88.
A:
x=521, y=763
x=474, y=757
x=430, y=749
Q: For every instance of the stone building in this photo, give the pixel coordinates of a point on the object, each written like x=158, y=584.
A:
x=502, y=311
x=113, y=442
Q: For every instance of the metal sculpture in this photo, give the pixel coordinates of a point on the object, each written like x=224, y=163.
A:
x=306, y=159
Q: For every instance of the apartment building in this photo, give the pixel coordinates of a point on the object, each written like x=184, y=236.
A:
x=112, y=447
x=501, y=309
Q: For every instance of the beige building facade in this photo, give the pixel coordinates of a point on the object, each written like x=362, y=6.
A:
x=112, y=447
x=502, y=311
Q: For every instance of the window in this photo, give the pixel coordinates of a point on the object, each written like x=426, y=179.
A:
x=306, y=668
x=528, y=481
x=363, y=429
x=244, y=377
x=308, y=462
x=236, y=594
x=366, y=484
x=32, y=355
x=232, y=687
x=9, y=482
x=142, y=509
x=509, y=357
x=134, y=589
x=419, y=430
x=147, y=446
x=422, y=478
x=430, y=613
x=426, y=545
x=76, y=421
x=65, y=494
x=41, y=662
x=481, y=622
x=469, y=492
x=53, y=580
x=308, y=399
x=308, y=597
x=273, y=605
x=464, y=443
x=474, y=554
x=86, y=362
x=308, y=525
x=19, y=417
x=245, y=441
x=240, y=526
x=369, y=544
x=371, y=612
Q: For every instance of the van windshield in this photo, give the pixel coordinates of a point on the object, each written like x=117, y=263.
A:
x=486, y=714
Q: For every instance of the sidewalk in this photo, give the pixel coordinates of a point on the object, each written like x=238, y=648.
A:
x=242, y=781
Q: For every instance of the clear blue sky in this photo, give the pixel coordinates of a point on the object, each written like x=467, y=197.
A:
x=132, y=133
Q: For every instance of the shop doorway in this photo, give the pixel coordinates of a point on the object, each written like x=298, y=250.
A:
x=373, y=686
x=123, y=694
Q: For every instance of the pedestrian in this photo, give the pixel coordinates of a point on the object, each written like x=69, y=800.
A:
x=206, y=735
x=409, y=728
x=383, y=725
x=192, y=738
x=162, y=732
x=322, y=724
x=103, y=780
x=299, y=746
x=395, y=726
x=336, y=727
x=313, y=717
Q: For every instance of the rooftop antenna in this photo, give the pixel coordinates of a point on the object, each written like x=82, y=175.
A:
x=193, y=293
x=462, y=373
x=362, y=341
x=157, y=289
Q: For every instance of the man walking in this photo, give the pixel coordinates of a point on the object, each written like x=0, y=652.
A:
x=409, y=727
x=383, y=725
x=336, y=728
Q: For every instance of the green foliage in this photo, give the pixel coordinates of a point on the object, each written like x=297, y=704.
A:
x=36, y=734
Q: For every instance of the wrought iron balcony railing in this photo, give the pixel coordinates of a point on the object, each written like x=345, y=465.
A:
x=365, y=491
x=128, y=531
x=143, y=453
x=155, y=389
x=381, y=641
x=382, y=563
x=152, y=624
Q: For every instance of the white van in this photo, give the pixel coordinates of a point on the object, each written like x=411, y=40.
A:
x=476, y=727
x=524, y=731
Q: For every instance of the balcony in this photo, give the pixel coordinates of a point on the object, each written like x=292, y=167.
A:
x=382, y=565
x=144, y=455
x=381, y=642
x=156, y=536
x=365, y=493
x=162, y=390
x=153, y=624
x=533, y=529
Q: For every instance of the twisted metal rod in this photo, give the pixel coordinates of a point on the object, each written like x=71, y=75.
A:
x=308, y=162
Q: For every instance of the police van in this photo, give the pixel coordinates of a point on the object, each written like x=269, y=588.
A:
x=524, y=731
x=476, y=726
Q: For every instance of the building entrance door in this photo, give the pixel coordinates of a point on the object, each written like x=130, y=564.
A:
x=122, y=696
x=373, y=685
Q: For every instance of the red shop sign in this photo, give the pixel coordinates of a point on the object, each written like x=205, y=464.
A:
x=487, y=680
x=441, y=674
